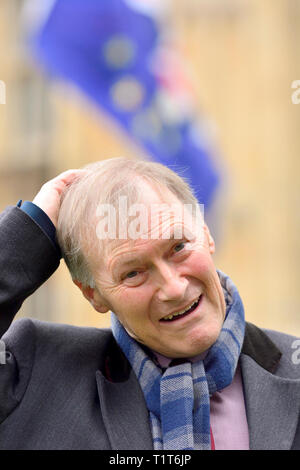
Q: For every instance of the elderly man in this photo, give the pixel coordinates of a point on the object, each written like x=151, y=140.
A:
x=179, y=370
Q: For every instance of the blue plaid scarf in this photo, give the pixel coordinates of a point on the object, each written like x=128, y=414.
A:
x=178, y=399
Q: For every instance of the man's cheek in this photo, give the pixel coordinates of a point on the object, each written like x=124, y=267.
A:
x=201, y=266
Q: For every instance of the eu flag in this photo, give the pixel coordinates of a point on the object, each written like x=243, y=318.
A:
x=114, y=51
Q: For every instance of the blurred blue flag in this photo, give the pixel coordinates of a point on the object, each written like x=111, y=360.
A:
x=113, y=50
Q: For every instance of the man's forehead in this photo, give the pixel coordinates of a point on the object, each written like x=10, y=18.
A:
x=144, y=220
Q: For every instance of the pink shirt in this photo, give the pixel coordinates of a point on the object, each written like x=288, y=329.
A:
x=228, y=418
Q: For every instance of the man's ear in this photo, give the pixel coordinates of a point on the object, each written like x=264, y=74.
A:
x=211, y=242
x=93, y=296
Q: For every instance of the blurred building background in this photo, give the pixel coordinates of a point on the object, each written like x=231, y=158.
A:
x=243, y=56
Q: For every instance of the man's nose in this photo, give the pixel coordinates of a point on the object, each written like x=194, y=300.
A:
x=172, y=286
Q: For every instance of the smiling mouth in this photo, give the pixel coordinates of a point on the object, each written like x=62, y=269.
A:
x=187, y=311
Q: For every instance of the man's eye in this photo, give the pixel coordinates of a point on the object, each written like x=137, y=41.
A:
x=134, y=278
x=179, y=246
x=131, y=274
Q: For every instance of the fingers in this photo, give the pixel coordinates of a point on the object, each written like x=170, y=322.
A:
x=63, y=180
x=49, y=196
x=69, y=176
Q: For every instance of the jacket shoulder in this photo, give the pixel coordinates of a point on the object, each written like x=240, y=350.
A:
x=30, y=340
x=36, y=349
x=56, y=332
x=41, y=354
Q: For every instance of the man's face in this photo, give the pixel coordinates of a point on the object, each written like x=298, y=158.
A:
x=165, y=291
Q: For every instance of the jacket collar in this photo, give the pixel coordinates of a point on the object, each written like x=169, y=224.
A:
x=260, y=348
x=256, y=345
x=122, y=403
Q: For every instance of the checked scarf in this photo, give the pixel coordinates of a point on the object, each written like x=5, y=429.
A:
x=178, y=400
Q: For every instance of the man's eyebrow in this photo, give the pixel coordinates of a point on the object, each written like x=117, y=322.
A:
x=126, y=260
x=172, y=236
x=180, y=233
x=123, y=263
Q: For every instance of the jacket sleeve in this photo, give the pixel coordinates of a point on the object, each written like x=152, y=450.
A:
x=27, y=260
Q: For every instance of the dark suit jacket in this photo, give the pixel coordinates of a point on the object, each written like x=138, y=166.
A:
x=65, y=387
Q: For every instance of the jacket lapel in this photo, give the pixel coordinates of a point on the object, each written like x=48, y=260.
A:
x=124, y=413
x=272, y=405
x=122, y=403
x=272, y=402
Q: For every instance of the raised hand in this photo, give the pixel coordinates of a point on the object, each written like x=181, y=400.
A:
x=49, y=196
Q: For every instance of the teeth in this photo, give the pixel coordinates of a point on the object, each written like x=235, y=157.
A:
x=181, y=312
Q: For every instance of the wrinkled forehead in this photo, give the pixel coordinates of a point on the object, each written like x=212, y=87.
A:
x=153, y=215
x=140, y=225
